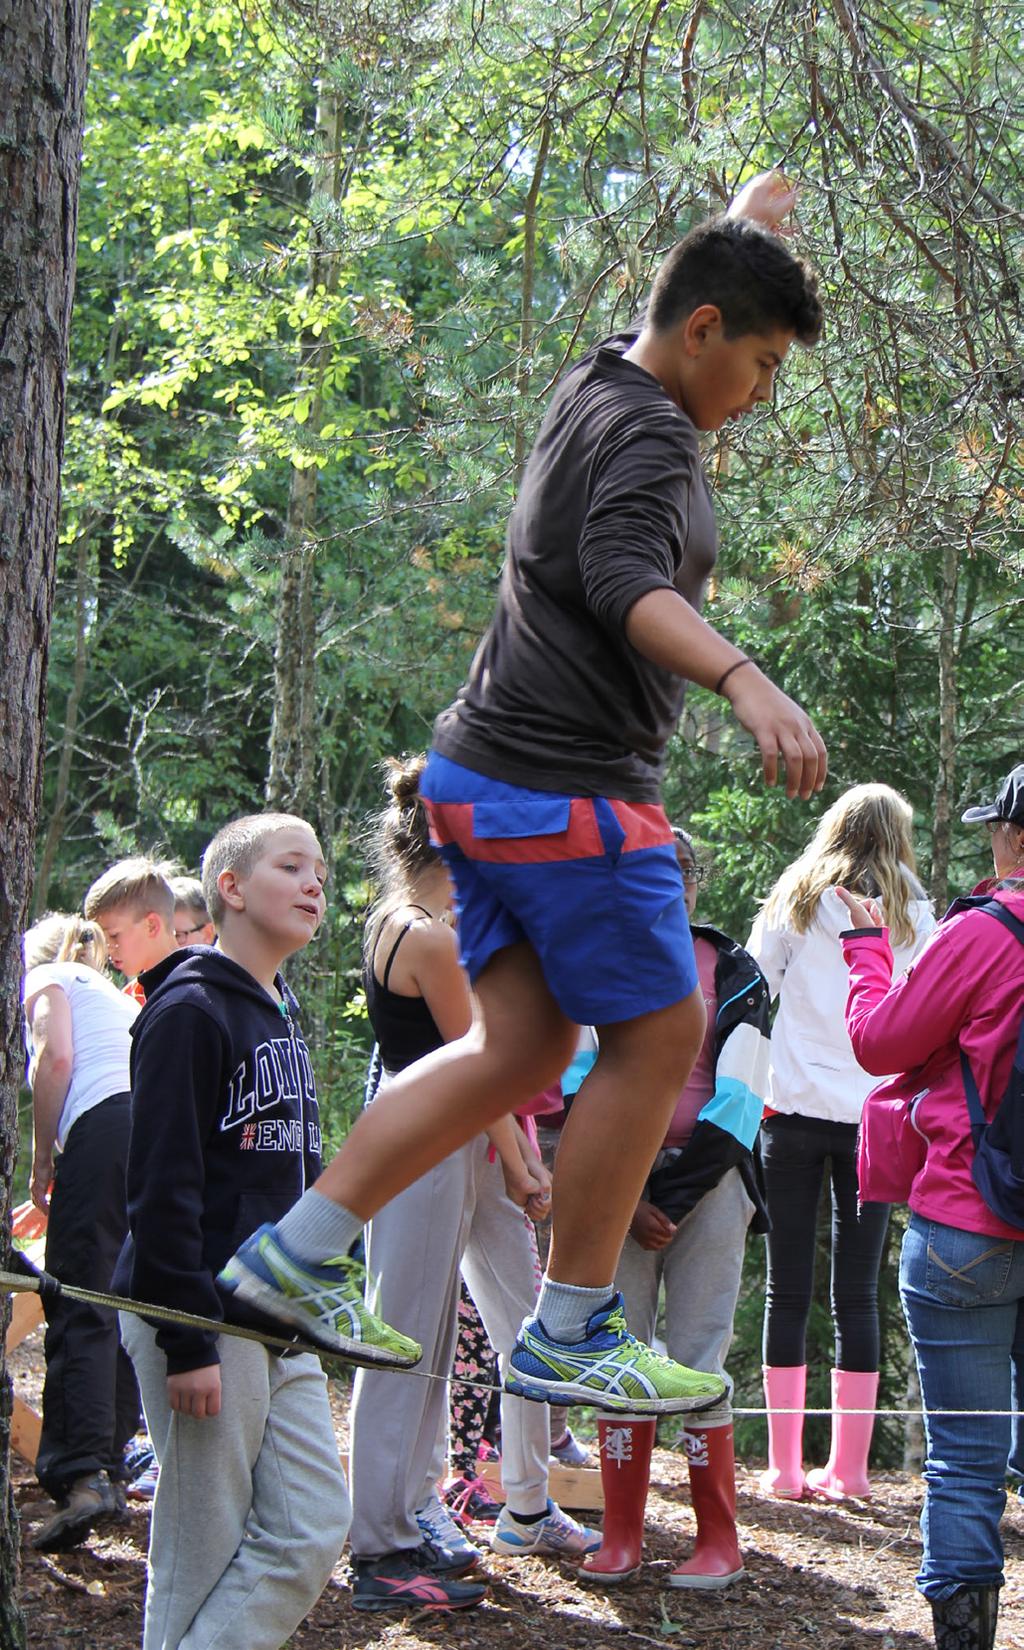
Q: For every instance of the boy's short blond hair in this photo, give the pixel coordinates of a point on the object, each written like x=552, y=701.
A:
x=139, y=885
x=188, y=892
x=237, y=847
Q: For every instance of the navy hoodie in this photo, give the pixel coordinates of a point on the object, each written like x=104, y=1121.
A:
x=225, y=1135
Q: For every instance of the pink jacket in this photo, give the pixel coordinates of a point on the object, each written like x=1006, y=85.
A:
x=965, y=987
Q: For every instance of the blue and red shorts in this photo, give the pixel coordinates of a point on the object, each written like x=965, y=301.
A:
x=593, y=885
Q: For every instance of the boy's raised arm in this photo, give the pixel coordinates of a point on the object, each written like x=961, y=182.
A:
x=667, y=630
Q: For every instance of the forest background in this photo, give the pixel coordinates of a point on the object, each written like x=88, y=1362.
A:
x=332, y=259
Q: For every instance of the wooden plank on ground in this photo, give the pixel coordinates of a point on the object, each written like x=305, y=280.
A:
x=26, y=1428
x=26, y=1315
x=578, y=1488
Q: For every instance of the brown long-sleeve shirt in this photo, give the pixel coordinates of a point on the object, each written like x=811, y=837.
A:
x=613, y=504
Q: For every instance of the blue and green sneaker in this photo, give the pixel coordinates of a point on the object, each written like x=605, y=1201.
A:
x=610, y=1369
x=322, y=1300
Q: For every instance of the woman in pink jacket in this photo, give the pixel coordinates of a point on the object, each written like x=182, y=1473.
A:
x=962, y=1266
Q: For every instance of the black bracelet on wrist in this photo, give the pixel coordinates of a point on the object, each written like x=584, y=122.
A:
x=727, y=673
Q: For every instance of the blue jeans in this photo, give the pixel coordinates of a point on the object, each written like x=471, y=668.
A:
x=962, y=1295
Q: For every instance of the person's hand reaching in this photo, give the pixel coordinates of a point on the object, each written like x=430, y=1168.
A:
x=864, y=913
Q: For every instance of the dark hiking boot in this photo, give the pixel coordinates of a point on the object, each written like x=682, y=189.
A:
x=90, y=1501
x=967, y=1619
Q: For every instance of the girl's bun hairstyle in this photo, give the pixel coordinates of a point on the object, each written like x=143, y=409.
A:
x=399, y=845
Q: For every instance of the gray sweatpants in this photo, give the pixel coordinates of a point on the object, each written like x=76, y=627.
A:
x=457, y=1212
x=701, y=1269
x=251, y=1509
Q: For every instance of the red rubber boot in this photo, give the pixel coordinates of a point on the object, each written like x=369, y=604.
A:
x=716, y=1560
x=626, y=1444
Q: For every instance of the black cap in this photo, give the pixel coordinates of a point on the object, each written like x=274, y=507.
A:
x=1009, y=802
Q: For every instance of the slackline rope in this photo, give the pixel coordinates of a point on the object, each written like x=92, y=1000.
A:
x=51, y=1289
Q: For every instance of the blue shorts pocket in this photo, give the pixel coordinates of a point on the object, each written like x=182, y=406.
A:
x=541, y=816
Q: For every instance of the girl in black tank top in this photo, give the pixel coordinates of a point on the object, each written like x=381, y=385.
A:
x=404, y=1027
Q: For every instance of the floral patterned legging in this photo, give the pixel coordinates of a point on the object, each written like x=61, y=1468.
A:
x=470, y=1406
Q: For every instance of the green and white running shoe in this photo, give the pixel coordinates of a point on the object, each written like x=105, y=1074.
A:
x=609, y=1369
x=322, y=1300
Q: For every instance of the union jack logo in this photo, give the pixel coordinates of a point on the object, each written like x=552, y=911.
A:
x=249, y=1136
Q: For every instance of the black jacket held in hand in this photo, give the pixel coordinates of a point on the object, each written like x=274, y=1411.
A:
x=225, y=1135
x=725, y=1135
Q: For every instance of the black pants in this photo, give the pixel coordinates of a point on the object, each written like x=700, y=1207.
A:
x=794, y=1154
x=90, y=1396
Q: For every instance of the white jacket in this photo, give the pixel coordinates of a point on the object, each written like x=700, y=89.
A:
x=812, y=1066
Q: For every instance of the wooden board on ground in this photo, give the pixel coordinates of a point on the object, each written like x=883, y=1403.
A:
x=578, y=1488
x=26, y=1428
x=26, y=1315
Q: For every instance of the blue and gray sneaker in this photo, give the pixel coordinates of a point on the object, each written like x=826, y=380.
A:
x=557, y=1534
x=447, y=1537
x=323, y=1301
x=609, y=1368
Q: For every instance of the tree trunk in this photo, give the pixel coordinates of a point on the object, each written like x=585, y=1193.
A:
x=292, y=775
x=945, y=778
x=42, y=89
x=525, y=369
x=55, y=826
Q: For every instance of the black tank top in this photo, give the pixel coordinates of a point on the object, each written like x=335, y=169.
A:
x=403, y=1026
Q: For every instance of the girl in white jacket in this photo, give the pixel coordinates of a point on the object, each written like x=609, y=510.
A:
x=816, y=1091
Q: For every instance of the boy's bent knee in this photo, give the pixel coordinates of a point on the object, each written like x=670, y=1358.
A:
x=659, y=1046
x=528, y=1058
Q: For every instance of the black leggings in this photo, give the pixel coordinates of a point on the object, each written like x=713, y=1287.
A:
x=90, y=1398
x=794, y=1152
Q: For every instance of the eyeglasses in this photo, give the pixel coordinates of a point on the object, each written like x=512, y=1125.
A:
x=182, y=934
x=694, y=873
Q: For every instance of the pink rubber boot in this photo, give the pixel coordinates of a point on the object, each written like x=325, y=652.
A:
x=845, y=1473
x=784, y=1389
x=626, y=1443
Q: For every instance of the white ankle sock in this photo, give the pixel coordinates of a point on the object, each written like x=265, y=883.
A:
x=565, y=1309
x=317, y=1229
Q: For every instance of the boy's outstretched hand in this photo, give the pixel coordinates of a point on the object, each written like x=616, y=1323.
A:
x=768, y=199
x=781, y=728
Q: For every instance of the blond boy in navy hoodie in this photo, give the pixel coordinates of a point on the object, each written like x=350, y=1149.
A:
x=252, y=1508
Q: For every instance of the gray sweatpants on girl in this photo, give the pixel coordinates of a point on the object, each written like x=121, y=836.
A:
x=251, y=1508
x=457, y=1212
x=701, y=1269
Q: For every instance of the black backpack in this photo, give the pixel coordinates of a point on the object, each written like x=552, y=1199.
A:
x=998, y=1167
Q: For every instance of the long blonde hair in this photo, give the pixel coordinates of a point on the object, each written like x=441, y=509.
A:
x=863, y=842
x=60, y=938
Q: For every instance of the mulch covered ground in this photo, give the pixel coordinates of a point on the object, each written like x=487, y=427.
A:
x=816, y=1575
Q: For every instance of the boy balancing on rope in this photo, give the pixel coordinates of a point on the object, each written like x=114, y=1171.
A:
x=543, y=791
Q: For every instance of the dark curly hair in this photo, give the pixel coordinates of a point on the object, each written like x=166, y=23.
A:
x=746, y=272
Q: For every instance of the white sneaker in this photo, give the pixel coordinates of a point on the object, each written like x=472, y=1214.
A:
x=557, y=1533
x=445, y=1532
x=569, y=1452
